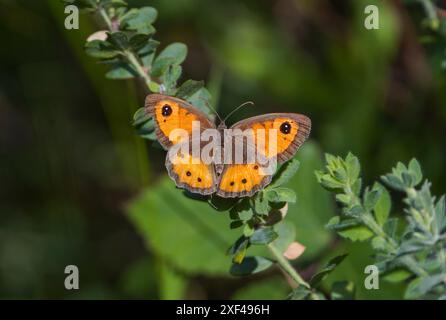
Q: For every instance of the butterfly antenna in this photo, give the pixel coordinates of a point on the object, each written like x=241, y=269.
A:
x=208, y=105
x=236, y=109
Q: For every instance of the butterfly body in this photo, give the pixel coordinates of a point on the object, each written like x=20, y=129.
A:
x=229, y=162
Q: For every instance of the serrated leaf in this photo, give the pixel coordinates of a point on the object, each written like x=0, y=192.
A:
x=250, y=265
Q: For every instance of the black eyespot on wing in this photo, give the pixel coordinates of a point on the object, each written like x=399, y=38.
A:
x=244, y=181
x=166, y=110
x=199, y=179
x=285, y=127
x=188, y=173
x=232, y=183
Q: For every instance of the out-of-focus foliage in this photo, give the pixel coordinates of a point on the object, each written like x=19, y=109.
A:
x=418, y=253
x=70, y=160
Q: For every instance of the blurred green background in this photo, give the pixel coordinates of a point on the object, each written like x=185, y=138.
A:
x=71, y=165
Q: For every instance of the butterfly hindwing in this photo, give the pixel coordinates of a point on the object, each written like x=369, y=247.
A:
x=245, y=179
x=242, y=180
x=189, y=171
x=171, y=113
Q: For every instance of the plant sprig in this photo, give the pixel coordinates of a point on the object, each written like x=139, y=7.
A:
x=130, y=51
x=418, y=253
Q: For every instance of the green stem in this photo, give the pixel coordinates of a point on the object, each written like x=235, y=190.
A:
x=106, y=18
x=431, y=12
x=139, y=68
x=130, y=56
x=286, y=266
x=370, y=223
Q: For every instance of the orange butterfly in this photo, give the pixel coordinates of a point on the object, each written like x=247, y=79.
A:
x=223, y=175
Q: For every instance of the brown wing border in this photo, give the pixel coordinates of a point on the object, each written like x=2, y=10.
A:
x=152, y=100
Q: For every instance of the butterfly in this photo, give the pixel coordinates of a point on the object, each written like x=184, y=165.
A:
x=227, y=179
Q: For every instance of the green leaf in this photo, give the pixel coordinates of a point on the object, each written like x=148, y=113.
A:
x=358, y=233
x=285, y=173
x=202, y=100
x=118, y=40
x=420, y=286
x=140, y=20
x=397, y=275
x=390, y=227
x=238, y=249
x=176, y=52
x=393, y=182
x=222, y=204
x=336, y=224
x=101, y=49
x=280, y=194
x=326, y=270
x=371, y=199
x=138, y=41
x=286, y=235
x=353, y=167
x=242, y=210
x=188, y=88
x=383, y=205
x=160, y=66
x=250, y=265
x=187, y=233
x=261, y=204
x=415, y=170
x=170, y=78
x=147, y=53
x=263, y=236
x=343, y=290
x=140, y=117
x=300, y=293
x=379, y=244
x=121, y=70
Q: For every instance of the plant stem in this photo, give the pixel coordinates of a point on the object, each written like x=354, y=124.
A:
x=106, y=18
x=286, y=266
x=370, y=223
x=130, y=56
x=431, y=12
x=139, y=68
